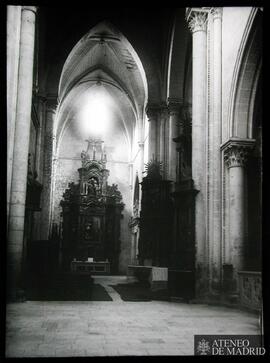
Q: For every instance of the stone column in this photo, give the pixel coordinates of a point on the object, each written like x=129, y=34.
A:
x=162, y=123
x=141, y=148
x=130, y=173
x=174, y=108
x=40, y=136
x=48, y=169
x=215, y=233
x=197, y=24
x=20, y=152
x=152, y=134
x=13, y=49
x=235, y=157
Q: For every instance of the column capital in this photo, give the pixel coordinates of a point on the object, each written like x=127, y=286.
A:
x=41, y=97
x=163, y=109
x=236, y=151
x=152, y=112
x=196, y=18
x=51, y=103
x=174, y=106
x=216, y=12
x=30, y=8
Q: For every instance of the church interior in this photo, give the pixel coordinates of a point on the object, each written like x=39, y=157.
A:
x=134, y=151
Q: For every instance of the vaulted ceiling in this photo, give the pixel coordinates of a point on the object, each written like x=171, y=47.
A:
x=103, y=64
x=146, y=29
x=133, y=56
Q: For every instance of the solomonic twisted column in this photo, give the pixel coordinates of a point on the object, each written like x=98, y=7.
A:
x=235, y=156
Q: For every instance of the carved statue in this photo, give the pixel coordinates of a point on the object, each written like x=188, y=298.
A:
x=93, y=186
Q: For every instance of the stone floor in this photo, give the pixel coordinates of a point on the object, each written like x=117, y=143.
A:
x=116, y=328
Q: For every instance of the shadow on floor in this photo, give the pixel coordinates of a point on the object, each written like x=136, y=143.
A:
x=65, y=287
x=138, y=291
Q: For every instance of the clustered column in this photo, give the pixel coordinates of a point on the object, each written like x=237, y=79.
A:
x=235, y=156
x=20, y=152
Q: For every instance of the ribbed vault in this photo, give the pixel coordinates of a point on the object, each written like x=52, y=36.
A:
x=103, y=61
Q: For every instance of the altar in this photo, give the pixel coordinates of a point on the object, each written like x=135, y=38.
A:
x=92, y=268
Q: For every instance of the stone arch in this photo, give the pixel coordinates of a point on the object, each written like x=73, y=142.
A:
x=245, y=80
x=244, y=126
x=179, y=58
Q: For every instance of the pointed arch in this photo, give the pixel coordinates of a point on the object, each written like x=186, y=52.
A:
x=245, y=79
x=121, y=57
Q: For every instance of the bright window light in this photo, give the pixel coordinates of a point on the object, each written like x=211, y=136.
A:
x=95, y=116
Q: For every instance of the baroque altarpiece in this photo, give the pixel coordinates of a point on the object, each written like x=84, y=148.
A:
x=92, y=212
